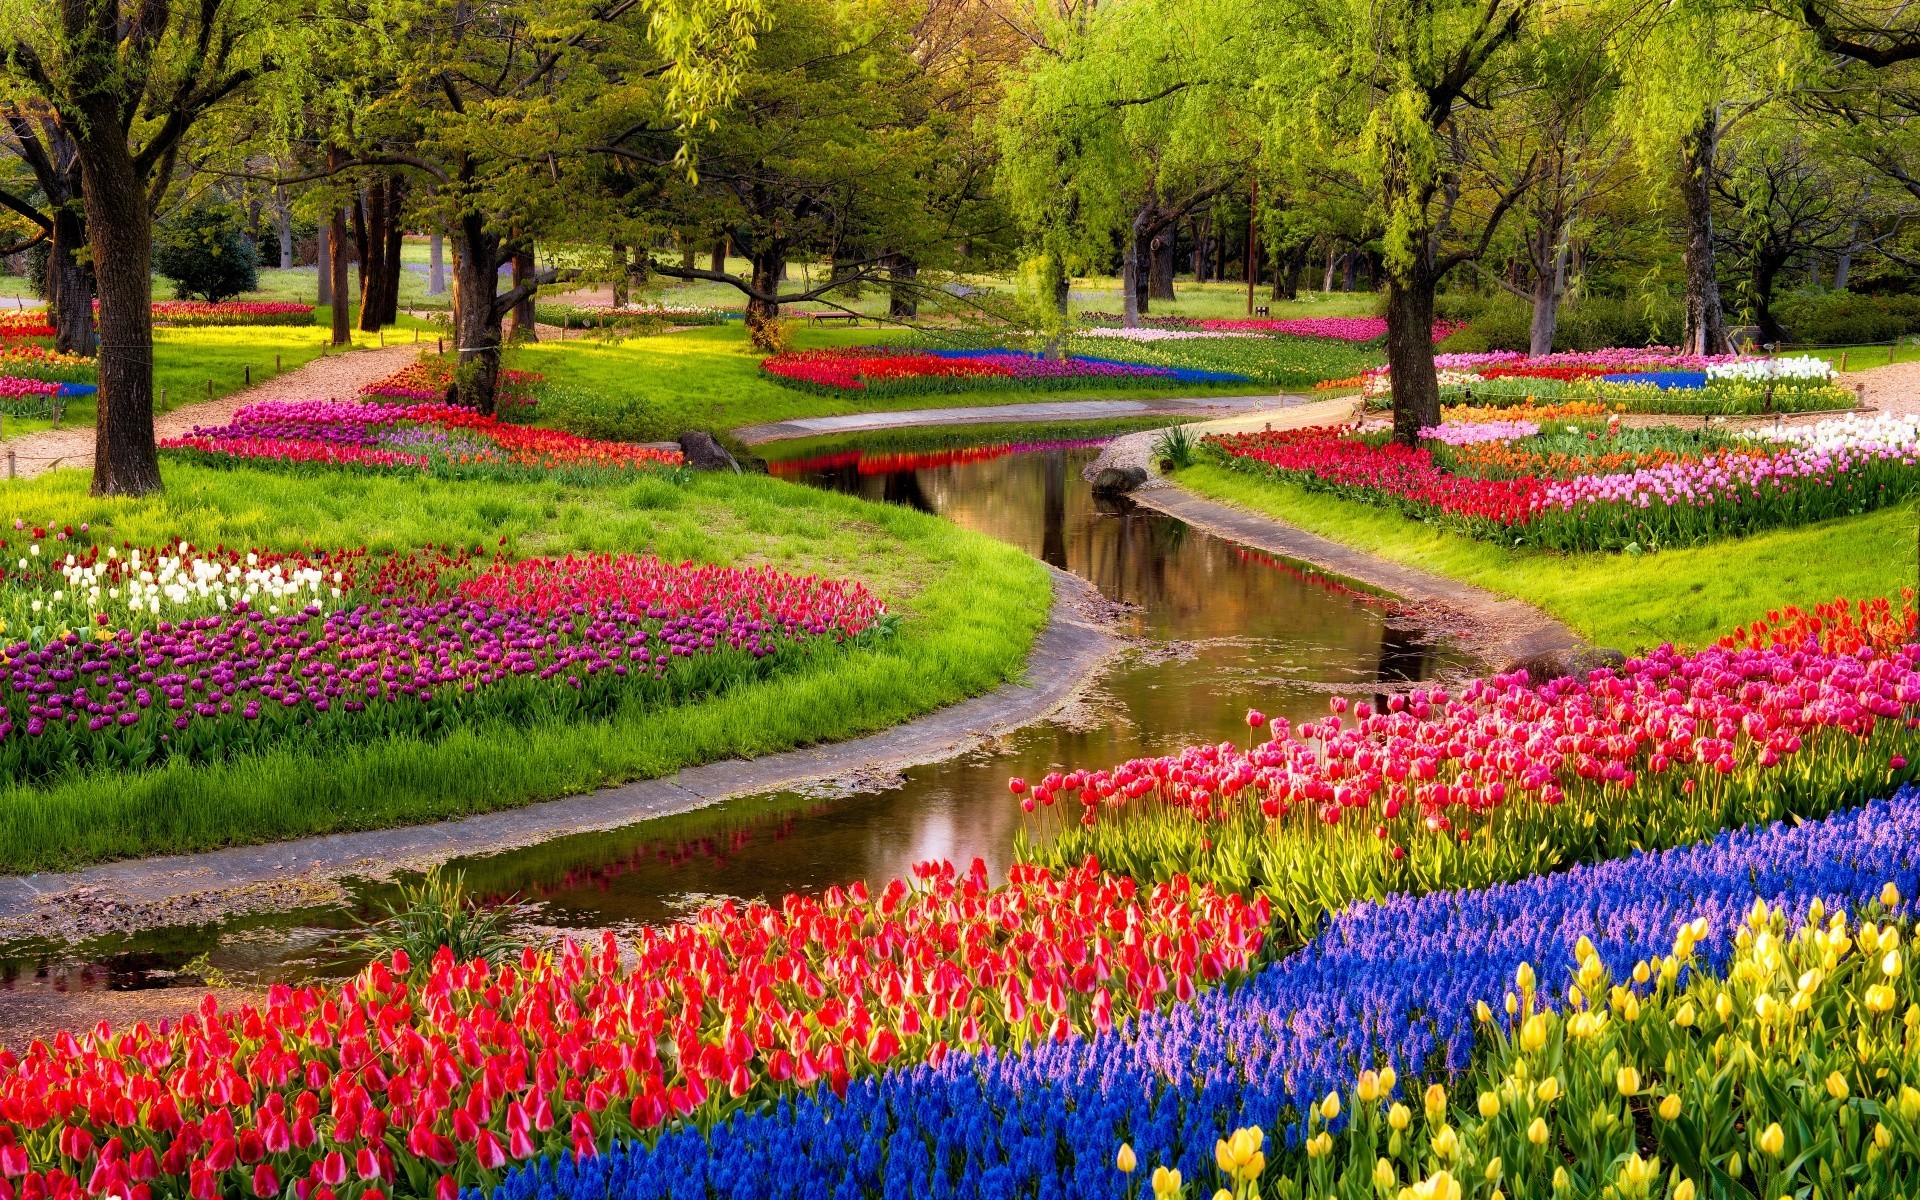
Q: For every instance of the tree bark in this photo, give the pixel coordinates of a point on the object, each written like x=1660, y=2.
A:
x=620, y=275
x=337, y=236
x=69, y=283
x=436, y=264
x=1548, y=286
x=120, y=235
x=1416, y=385
x=719, y=263
x=283, y=225
x=1765, y=273
x=522, y=329
x=767, y=259
x=323, y=261
x=371, y=228
x=902, y=303
x=396, y=241
x=476, y=320
x=1844, y=262
x=1160, y=266
x=1705, y=329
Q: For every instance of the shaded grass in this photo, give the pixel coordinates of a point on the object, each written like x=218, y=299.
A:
x=652, y=388
x=1688, y=596
x=970, y=608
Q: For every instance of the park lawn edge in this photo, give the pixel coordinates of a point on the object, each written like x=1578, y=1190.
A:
x=1685, y=596
x=968, y=629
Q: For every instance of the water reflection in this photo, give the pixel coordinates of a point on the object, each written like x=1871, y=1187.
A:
x=1215, y=628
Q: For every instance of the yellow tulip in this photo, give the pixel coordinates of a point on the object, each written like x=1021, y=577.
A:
x=1683, y=1190
x=1583, y=949
x=1442, y=1186
x=1387, y=1081
x=1549, y=1089
x=1367, y=1089
x=1765, y=1006
x=1837, y=1086
x=1446, y=1142
x=1882, y=1136
x=1489, y=1105
x=1533, y=1033
x=1537, y=1132
x=1125, y=1160
x=1561, y=1180
x=1524, y=977
x=1223, y=1194
x=1330, y=1107
x=1723, y=1005
x=1398, y=1116
x=1684, y=1018
x=1436, y=1102
x=1223, y=1157
x=1493, y=1170
x=1670, y=1108
x=1890, y=895
x=1513, y=1004
x=1773, y=1140
x=1383, y=1176
x=1880, y=998
x=1636, y=1173
x=1628, y=1081
x=1482, y=1013
x=1733, y=1166
x=1166, y=1183
x=1890, y=965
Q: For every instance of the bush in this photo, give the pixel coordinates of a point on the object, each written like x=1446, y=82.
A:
x=1845, y=319
x=1594, y=323
x=206, y=253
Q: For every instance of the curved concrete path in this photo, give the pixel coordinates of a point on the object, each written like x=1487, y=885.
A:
x=202, y=887
x=1050, y=410
x=1499, y=629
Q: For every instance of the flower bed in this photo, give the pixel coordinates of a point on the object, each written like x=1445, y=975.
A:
x=1341, y=329
x=1509, y=778
x=1392, y=983
x=883, y=371
x=125, y=660
x=1278, y=361
x=25, y=323
x=1595, y=493
x=428, y=381
x=415, y=1084
x=30, y=361
x=180, y=313
x=439, y=439
x=1625, y=380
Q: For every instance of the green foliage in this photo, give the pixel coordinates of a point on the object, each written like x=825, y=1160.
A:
x=438, y=912
x=1845, y=319
x=1504, y=322
x=206, y=253
x=1176, y=447
x=1280, y=361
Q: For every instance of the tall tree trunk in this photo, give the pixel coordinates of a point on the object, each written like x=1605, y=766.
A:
x=323, y=262
x=1346, y=270
x=767, y=260
x=1198, y=230
x=396, y=242
x=476, y=317
x=120, y=236
x=337, y=236
x=1160, y=266
x=522, y=328
x=687, y=255
x=719, y=263
x=1326, y=284
x=372, y=230
x=69, y=283
x=1132, y=288
x=1549, y=284
x=436, y=264
x=1844, y=263
x=620, y=270
x=283, y=225
x=902, y=303
x=1765, y=273
x=357, y=221
x=1416, y=385
x=1705, y=330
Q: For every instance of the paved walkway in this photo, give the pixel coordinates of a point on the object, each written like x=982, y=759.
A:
x=1049, y=410
x=337, y=376
x=153, y=891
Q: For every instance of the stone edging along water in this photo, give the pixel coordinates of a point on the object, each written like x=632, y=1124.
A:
x=1069, y=651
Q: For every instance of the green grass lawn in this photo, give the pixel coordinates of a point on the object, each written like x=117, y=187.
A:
x=643, y=389
x=970, y=608
x=1627, y=601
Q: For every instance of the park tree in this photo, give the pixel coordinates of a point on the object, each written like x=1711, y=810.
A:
x=125, y=81
x=39, y=143
x=1379, y=93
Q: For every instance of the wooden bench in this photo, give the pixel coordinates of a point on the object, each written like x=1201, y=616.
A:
x=820, y=318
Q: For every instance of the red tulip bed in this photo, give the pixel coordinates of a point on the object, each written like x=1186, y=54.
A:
x=416, y=1081
x=183, y=313
x=25, y=323
x=124, y=657
x=1595, y=499
x=428, y=380
x=30, y=360
x=884, y=371
x=438, y=439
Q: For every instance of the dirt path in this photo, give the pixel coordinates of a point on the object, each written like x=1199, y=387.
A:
x=337, y=376
x=1890, y=389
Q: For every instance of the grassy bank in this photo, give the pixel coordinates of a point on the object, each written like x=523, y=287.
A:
x=970, y=608
x=1629, y=601
x=643, y=389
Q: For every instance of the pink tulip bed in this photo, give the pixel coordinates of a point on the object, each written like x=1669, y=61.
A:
x=1655, y=379
x=1340, y=329
x=425, y=438
x=1595, y=487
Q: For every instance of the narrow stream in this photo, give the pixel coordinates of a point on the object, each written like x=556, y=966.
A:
x=1213, y=629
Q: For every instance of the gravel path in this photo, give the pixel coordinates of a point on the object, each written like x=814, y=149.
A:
x=1891, y=389
x=337, y=376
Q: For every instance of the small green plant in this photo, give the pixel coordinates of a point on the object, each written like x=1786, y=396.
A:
x=1176, y=448
x=439, y=912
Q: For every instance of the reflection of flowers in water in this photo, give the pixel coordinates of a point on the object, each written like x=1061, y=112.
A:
x=428, y=439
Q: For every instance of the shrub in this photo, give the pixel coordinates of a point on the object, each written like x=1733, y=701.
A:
x=206, y=253
x=1592, y=323
x=1844, y=319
